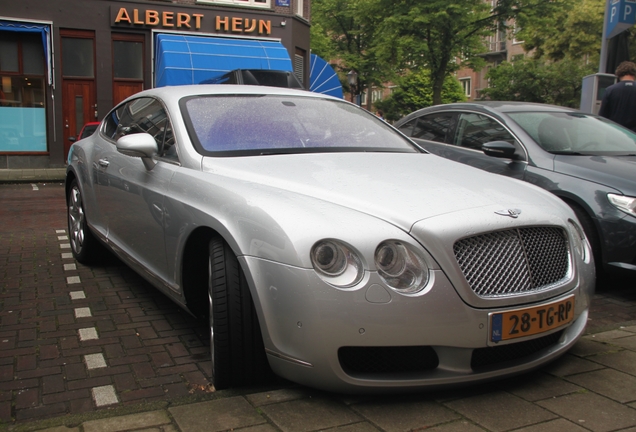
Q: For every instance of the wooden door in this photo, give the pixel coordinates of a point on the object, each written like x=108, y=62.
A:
x=79, y=107
x=121, y=90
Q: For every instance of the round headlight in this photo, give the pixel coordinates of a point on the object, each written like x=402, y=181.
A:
x=401, y=266
x=329, y=258
x=336, y=263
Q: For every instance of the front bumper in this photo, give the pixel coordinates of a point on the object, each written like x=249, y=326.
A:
x=306, y=321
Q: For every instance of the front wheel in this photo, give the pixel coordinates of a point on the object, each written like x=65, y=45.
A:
x=85, y=247
x=236, y=344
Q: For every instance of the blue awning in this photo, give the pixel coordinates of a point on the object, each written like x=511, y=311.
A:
x=30, y=27
x=322, y=78
x=181, y=59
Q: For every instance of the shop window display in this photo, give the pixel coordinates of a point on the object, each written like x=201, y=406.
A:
x=22, y=108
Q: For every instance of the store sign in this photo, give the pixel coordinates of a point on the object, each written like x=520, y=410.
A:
x=188, y=21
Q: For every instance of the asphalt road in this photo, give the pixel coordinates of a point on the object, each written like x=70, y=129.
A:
x=76, y=340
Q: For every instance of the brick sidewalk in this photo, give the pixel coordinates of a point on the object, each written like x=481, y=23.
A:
x=75, y=338
x=149, y=355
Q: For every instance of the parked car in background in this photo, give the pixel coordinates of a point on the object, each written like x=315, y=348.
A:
x=320, y=242
x=265, y=77
x=587, y=161
x=87, y=130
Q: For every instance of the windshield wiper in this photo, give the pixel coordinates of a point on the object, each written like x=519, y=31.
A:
x=573, y=153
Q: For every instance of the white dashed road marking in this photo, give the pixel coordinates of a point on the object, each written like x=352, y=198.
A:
x=104, y=395
x=95, y=361
x=88, y=334
x=83, y=312
x=73, y=280
x=77, y=295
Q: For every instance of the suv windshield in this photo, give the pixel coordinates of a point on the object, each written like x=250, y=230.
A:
x=576, y=133
x=252, y=124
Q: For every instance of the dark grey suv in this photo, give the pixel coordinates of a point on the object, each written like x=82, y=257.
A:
x=586, y=160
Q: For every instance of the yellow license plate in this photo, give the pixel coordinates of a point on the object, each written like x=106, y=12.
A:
x=530, y=321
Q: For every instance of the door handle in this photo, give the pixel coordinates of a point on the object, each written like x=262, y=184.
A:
x=104, y=163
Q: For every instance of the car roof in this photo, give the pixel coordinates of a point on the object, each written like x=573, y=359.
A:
x=177, y=92
x=490, y=106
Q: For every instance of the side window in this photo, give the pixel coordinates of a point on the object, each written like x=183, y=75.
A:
x=407, y=128
x=144, y=115
x=434, y=127
x=475, y=130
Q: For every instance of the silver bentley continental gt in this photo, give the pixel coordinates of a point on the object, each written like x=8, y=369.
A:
x=324, y=245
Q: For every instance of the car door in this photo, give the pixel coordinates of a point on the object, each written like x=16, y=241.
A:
x=464, y=137
x=132, y=197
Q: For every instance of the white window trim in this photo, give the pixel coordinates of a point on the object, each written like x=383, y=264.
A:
x=465, y=87
x=299, y=7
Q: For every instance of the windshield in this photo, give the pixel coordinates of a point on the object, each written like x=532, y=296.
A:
x=576, y=133
x=253, y=124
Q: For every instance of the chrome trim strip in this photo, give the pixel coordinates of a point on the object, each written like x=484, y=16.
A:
x=288, y=358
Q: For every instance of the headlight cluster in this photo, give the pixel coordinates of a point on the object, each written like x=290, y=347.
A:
x=400, y=265
x=623, y=203
x=579, y=238
x=336, y=263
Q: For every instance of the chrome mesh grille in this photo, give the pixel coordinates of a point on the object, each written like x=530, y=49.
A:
x=510, y=262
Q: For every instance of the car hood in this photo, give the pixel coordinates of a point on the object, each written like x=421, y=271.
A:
x=613, y=171
x=399, y=188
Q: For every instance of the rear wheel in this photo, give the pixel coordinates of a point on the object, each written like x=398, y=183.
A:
x=236, y=343
x=85, y=247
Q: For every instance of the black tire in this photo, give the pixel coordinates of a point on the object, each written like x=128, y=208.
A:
x=236, y=343
x=592, y=238
x=85, y=247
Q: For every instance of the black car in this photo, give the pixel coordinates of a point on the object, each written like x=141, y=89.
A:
x=586, y=160
x=263, y=77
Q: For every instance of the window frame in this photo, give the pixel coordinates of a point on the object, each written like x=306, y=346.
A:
x=167, y=126
x=468, y=80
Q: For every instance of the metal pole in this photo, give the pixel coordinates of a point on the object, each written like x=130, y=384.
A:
x=604, y=41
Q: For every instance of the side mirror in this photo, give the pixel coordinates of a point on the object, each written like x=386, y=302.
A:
x=141, y=145
x=499, y=149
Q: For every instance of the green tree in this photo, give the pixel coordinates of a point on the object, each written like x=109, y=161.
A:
x=415, y=92
x=532, y=80
x=431, y=34
x=573, y=30
x=348, y=31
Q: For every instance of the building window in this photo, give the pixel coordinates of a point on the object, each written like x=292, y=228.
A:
x=248, y=3
x=299, y=7
x=376, y=95
x=128, y=66
x=466, y=85
x=516, y=29
x=299, y=65
x=22, y=92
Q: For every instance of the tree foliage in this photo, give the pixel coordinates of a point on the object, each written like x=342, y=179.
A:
x=531, y=80
x=431, y=34
x=348, y=31
x=572, y=31
x=415, y=92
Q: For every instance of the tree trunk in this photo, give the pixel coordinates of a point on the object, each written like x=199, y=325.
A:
x=438, y=83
